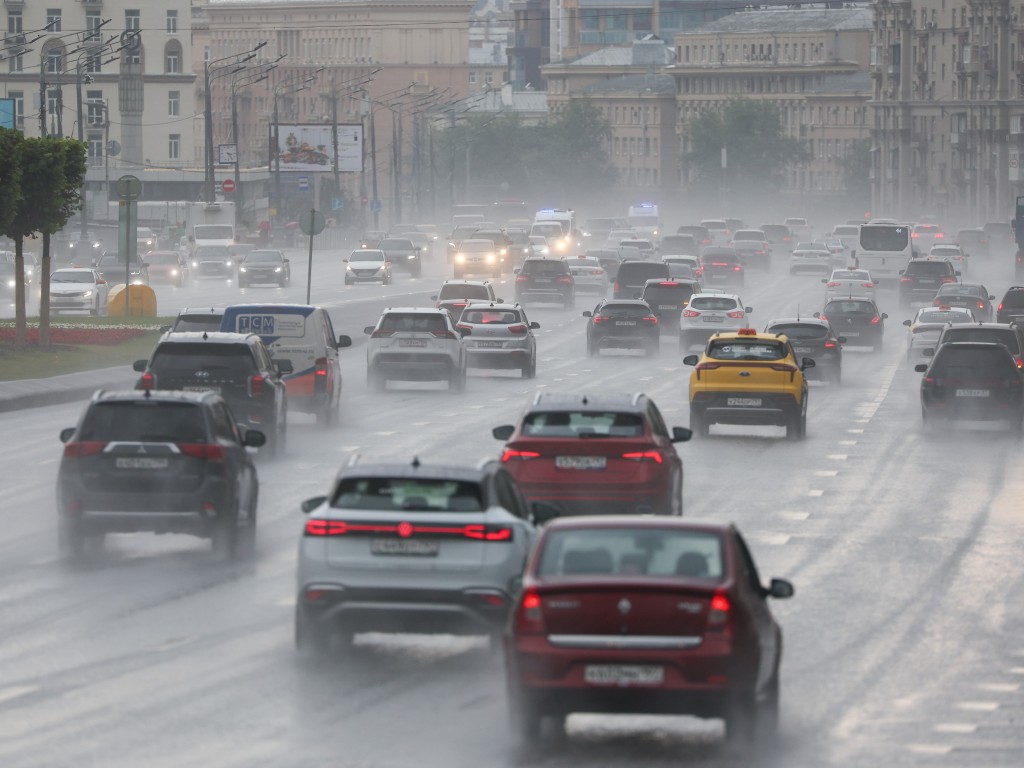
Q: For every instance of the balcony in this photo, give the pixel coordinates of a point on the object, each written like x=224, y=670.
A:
x=956, y=139
x=921, y=68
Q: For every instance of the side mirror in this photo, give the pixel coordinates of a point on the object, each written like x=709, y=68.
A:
x=921, y=367
x=780, y=589
x=690, y=360
x=283, y=367
x=499, y=301
x=344, y=261
x=534, y=326
x=748, y=310
x=369, y=329
x=841, y=339
x=504, y=432
x=907, y=323
x=902, y=271
x=433, y=298
x=165, y=328
x=515, y=271
x=928, y=352
x=807, y=362
x=991, y=298
x=588, y=313
x=344, y=341
x=544, y=512
x=884, y=316
x=140, y=365
x=254, y=439
x=66, y=434
x=824, y=280
x=817, y=314
x=464, y=330
x=310, y=504
x=681, y=434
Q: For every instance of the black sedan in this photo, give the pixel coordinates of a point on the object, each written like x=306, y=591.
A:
x=814, y=338
x=972, y=296
x=264, y=267
x=857, y=320
x=622, y=324
x=403, y=255
x=112, y=268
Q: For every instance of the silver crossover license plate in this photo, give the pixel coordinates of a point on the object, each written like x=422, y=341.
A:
x=140, y=462
x=412, y=342
x=410, y=547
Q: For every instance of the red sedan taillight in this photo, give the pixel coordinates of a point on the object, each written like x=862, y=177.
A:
x=654, y=456
x=529, y=616
x=83, y=449
x=512, y=453
x=148, y=381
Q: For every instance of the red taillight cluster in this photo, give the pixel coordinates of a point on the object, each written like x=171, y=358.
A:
x=444, y=334
x=832, y=284
x=1000, y=307
x=830, y=345
x=512, y=453
x=906, y=279
x=876, y=320
x=654, y=456
x=719, y=611
x=616, y=287
x=736, y=314
x=205, y=451
x=981, y=304
x=475, y=531
x=321, y=367
x=565, y=279
x=668, y=283
x=529, y=617
x=522, y=279
x=823, y=316
x=737, y=268
x=257, y=385
x=83, y=449
x=691, y=313
x=148, y=380
x=650, y=320
x=381, y=333
x=949, y=279
x=784, y=367
x=598, y=319
x=517, y=329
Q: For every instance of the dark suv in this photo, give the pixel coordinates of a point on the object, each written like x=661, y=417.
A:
x=856, y=320
x=668, y=299
x=162, y=462
x=1010, y=336
x=234, y=365
x=720, y=266
x=1011, y=306
x=814, y=338
x=633, y=276
x=973, y=381
x=922, y=278
x=403, y=254
x=545, y=280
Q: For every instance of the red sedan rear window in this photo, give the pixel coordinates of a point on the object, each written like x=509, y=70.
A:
x=583, y=424
x=642, y=551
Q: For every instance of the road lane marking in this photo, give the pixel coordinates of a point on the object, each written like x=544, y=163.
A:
x=838, y=456
x=815, y=493
x=999, y=687
x=848, y=442
x=16, y=691
x=826, y=473
x=929, y=749
x=855, y=431
x=955, y=728
x=978, y=706
x=772, y=539
x=1017, y=671
x=788, y=515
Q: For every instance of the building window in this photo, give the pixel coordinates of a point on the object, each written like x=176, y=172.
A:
x=172, y=22
x=172, y=59
x=16, y=63
x=94, y=63
x=95, y=148
x=53, y=19
x=94, y=108
x=472, y=77
x=53, y=101
x=132, y=20
x=589, y=19
x=173, y=103
x=488, y=78
x=174, y=146
x=19, y=107
x=14, y=22
x=92, y=25
x=54, y=61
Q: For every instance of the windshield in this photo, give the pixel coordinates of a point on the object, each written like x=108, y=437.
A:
x=408, y=494
x=940, y=316
x=208, y=322
x=544, y=268
x=637, y=273
x=676, y=294
x=714, y=303
x=212, y=252
x=583, y=423
x=749, y=234
x=929, y=268
x=214, y=232
x=550, y=229
x=366, y=256
x=643, y=221
x=639, y=551
x=422, y=322
x=956, y=289
x=476, y=246
x=457, y=291
x=747, y=350
x=1005, y=336
x=884, y=237
x=972, y=362
x=395, y=244
x=72, y=277
x=263, y=257
x=186, y=359
x=849, y=308
x=850, y=274
x=158, y=257
x=844, y=231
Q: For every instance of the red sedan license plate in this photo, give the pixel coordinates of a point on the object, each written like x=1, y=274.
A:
x=623, y=675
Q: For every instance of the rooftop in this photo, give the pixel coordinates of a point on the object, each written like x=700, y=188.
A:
x=786, y=20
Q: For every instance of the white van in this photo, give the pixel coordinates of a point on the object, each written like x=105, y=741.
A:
x=304, y=336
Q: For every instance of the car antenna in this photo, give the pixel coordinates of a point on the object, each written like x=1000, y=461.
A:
x=146, y=396
x=798, y=313
x=585, y=401
x=415, y=462
x=205, y=336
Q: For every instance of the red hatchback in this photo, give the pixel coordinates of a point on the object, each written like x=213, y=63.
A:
x=599, y=454
x=644, y=615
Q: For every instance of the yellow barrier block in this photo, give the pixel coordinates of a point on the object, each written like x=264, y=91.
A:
x=141, y=301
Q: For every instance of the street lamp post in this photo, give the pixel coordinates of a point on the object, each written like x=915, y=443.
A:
x=258, y=76
x=274, y=133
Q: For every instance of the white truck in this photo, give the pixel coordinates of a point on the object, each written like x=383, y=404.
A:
x=643, y=218
x=209, y=224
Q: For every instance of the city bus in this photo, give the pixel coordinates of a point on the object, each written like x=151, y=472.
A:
x=884, y=248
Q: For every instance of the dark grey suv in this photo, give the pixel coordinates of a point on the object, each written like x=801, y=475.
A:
x=236, y=366
x=545, y=280
x=161, y=462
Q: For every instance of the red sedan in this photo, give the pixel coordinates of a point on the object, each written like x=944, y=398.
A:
x=593, y=454
x=647, y=615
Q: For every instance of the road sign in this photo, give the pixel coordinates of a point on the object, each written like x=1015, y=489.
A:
x=303, y=183
x=129, y=187
x=113, y=148
x=228, y=186
x=312, y=222
x=337, y=203
x=375, y=206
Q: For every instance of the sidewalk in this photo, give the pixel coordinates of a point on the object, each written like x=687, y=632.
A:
x=35, y=393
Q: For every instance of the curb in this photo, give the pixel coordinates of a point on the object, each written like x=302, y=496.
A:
x=57, y=390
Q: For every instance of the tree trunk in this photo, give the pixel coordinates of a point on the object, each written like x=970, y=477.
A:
x=20, y=332
x=44, y=294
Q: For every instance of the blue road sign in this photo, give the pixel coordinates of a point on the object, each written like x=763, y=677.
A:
x=337, y=203
x=303, y=183
x=375, y=206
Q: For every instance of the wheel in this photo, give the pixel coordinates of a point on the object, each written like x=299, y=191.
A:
x=71, y=540
x=570, y=303
x=457, y=380
x=375, y=380
x=326, y=415
x=698, y=424
x=530, y=369
x=741, y=721
x=525, y=716
x=653, y=349
x=311, y=640
x=591, y=351
x=767, y=731
x=793, y=426
x=247, y=533
x=836, y=376
x=225, y=536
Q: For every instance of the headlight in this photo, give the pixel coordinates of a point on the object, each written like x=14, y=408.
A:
x=195, y=263
x=460, y=257
x=411, y=256
x=277, y=269
x=490, y=258
x=87, y=294
x=174, y=271
x=96, y=245
x=503, y=251
x=10, y=284
x=227, y=263
x=138, y=281
x=240, y=269
x=348, y=267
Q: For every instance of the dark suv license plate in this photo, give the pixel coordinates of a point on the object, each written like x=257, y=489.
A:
x=405, y=547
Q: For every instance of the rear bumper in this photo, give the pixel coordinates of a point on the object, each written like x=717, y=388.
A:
x=195, y=512
x=776, y=409
x=407, y=367
x=497, y=358
x=634, y=341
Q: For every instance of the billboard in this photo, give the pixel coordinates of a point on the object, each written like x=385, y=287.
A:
x=7, y=113
x=309, y=147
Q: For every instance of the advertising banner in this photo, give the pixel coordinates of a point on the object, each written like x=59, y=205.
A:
x=309, y=147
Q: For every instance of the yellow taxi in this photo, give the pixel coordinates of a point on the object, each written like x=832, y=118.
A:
x=748, y=377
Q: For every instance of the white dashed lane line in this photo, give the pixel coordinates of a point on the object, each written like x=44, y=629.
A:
x=955, y=728
x=929, y=749
x=978, y=706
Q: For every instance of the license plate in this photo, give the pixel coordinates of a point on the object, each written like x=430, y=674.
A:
x=744, y=402
x=202, y=389
x=712, y=319
x=542, y=279
x=581, y=462
x=666, y=306
x=972, y=393
x=140, y=462
x=623, y=675
x=406, y=547
x=489, y=344
x=625, y=322
x=412, y=342
x=851, y=333
x=802, y=350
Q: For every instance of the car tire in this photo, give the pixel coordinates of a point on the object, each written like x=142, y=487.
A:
x=741, y=722
x=247, y=532
x=837, y=376
x=526, y=717
x=879, y=347
x=312, y=641
x=570, y=303
x=457, y=380
x=375, y=380
x=225, y=537
x=72, y=542
x=530, y=370
x=793, y=426
x=699, y=423
x=653, y=349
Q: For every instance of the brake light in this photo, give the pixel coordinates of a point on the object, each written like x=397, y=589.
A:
x=487, y=532
x=823, y=316
x=460, y=303
x=737, y=268
x=929, y=380
x=566, y=279
x=148, y=380
x=522, y=279
x=83, y=449
x=598, y=319
x=705, y=241
x=256, y=385
x=876, y=320
x=101, y=281
x=719, y=264
x=650, y=319
x=949, y=279
x=737, y=314
x=981, y=305
x=707, y=367
x=321, y=366
x=832, y=284
x=939, y=235
x=906, y=279
x=1019, y=361
x=529, y=617
x=830, y=345
x=380, y=333
x=719, y=611
x=205, y=451
x=669, y=283
x=1000, y=307
x=784, y=367
x=868, y=285
x=916, y=235
x=644, y=455
x=444, y=334
x=315, y=527
x=691, y=313
x=517, y=328
x=512, y=453
x=616, y=288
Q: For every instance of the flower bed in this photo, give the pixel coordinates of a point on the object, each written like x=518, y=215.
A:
x=80, y=334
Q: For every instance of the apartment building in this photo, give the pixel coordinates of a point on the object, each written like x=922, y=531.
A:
x=948, y=105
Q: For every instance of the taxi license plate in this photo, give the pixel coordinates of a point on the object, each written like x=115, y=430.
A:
x=580, y=462
x=625, y=322
x=202, y=389
x=972, y=393
x=405, y=547
x=744, y=402
x=140, y=462
x=412, y=342
x=623, y=675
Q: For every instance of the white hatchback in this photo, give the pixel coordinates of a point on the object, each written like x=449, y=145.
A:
x=845, y=283
x=709, y=313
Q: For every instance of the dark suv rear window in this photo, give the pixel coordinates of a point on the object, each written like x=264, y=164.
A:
x=1004, y=336
x=968, y=362
x=849, y=308
x=624, y=310
x=595, y=424
x=1013, y=299
x=144, y=421
x=668, y=292
x=800, y=330
x=408, y=494
x=639, y=272
x=463, y=292
x=188, y=358
x=929, y=269
x=401, y=321
x=545, y=268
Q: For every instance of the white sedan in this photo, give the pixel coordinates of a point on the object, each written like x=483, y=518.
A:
x=810, y=256
x=79, y=289
x=588, y=275
x=926, y=327
x=843, y=283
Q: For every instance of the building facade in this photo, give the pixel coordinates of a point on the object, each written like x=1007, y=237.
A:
x=948, y=118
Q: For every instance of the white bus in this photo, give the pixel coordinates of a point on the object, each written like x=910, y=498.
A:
x=884, y=249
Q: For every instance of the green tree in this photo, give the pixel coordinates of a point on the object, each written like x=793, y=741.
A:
x=574, y=149
x=856, y=169
x=757, y=151
x=10, y=193
x=53, y=171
